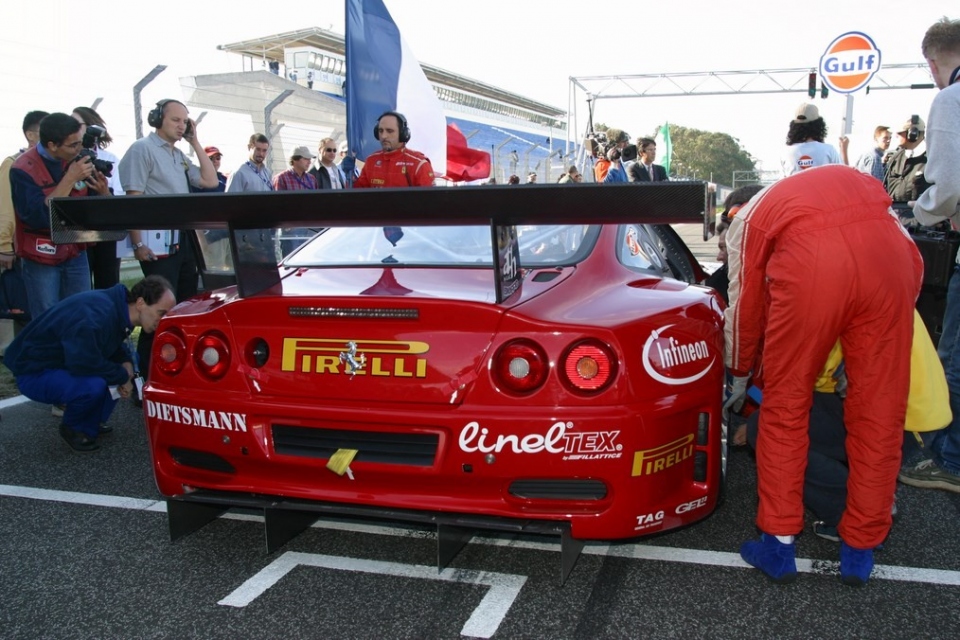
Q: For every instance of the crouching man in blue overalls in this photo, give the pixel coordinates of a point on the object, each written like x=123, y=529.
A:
x=76, y=353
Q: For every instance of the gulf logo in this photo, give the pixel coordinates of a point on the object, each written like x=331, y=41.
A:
x=850, y=62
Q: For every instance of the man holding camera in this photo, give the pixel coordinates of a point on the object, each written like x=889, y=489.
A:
x=102, y=256
x=53, y=168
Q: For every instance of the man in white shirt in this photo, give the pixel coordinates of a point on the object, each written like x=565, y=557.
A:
x=805, y=146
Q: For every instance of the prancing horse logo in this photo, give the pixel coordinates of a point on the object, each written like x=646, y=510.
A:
x=354, y=362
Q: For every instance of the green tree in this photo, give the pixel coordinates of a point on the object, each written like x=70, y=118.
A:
x=702, y=154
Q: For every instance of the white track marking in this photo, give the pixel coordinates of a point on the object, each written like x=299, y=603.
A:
x=503, y=588
x=633, y=551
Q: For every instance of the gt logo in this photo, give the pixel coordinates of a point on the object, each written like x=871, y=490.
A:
x=509, y=268
x=690, y=506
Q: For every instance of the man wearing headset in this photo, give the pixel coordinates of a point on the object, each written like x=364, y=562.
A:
x=155, y=166
x=905, y=170
x=394, y=165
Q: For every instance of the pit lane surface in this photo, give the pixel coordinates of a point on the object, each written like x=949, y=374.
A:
x=84, y=553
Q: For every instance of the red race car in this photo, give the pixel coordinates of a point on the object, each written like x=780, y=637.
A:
x=548, y=368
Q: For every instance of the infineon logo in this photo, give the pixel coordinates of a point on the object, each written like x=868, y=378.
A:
x=850, y=62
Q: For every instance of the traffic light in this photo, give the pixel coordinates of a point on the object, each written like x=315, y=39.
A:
x=812, y=85
x=824, y=90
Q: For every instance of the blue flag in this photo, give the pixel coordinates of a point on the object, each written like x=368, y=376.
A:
x=383, y=75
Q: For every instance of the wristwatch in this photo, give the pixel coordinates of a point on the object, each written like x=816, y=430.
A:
x=139, y=245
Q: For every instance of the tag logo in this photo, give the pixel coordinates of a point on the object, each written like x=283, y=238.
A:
x=649, y=520
x=850, y=62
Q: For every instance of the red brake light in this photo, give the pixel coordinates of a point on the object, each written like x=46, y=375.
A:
x=170, y=352
x=589, y=366
x=211, y=355
x=520, y=366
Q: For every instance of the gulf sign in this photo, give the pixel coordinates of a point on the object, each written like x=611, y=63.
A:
x=850, y=62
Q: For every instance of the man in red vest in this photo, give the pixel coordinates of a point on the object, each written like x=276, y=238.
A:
x=49, y=170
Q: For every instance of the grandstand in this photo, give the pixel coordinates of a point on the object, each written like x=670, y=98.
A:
x=520, y=134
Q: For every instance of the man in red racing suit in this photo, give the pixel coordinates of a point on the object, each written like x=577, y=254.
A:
x=815, y=258
x=394, y=165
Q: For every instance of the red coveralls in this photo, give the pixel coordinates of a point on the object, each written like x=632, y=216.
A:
x=817, y=257
x=398, y=168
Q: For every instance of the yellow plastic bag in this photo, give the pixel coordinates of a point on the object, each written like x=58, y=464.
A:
x=928, y=403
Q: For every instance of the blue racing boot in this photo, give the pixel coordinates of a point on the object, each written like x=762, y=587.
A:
x=774, y=558
x=855, y=565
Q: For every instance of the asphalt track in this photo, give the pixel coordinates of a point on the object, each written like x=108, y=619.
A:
x=84, y=553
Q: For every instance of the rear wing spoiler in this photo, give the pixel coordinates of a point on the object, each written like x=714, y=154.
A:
x=250, y=217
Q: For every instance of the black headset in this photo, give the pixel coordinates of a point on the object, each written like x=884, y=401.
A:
x=404, y=129
x=913, y=133
x=155, y=117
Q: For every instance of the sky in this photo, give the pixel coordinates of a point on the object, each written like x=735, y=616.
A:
x=57, y=55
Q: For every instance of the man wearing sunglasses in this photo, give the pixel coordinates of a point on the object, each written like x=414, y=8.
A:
x=52, y=169
x=325, y=169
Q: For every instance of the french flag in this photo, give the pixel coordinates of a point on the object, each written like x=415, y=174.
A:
x=383, y=75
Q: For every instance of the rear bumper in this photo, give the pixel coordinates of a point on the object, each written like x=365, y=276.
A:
x=606, y=472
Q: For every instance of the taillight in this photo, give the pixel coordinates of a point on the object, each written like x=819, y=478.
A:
x=589, y=366
x=170, y=352
x=520, y=366
x=211, y=355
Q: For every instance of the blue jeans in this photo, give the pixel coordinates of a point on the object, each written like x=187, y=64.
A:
x=944, y=445
x=49, y=284
x=87, y=398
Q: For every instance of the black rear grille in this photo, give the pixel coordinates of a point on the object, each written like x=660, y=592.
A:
x=200, y=460
x=559, y=489
x=416, y=449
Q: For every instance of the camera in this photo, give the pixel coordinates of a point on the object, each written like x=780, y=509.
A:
x=913, y=133
x=595, y=142
x=91, y=139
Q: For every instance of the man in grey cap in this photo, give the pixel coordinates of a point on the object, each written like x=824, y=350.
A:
x=296, y=178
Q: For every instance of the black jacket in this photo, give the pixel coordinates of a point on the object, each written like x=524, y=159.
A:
x=323, y=177
x=638, y=173
x=905, y=180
